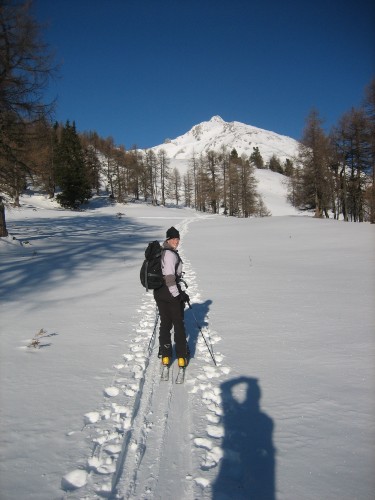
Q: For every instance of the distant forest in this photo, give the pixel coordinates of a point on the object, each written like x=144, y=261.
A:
x=332, y=174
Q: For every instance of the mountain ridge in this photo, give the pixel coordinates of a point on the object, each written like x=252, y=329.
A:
x=216, y=133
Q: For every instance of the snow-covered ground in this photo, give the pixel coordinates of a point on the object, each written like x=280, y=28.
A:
x=286, y=303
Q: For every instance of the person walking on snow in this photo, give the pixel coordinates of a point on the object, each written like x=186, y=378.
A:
x=170, y=300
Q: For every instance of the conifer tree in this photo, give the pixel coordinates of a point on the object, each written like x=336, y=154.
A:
x=274, y=164
x=70, y=170
x=256, y=158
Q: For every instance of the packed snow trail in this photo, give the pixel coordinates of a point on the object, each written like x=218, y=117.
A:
x=160, y=455
x=149, y=440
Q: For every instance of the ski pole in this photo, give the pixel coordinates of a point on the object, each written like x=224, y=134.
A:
x=204, y=338
x=153, y=333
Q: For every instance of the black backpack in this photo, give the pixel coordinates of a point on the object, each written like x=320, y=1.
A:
x=150, y=274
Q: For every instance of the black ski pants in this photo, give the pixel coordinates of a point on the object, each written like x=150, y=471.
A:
x=171, y=311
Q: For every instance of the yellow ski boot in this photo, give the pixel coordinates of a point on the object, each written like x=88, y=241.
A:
x=166, y=361
x=182, y=362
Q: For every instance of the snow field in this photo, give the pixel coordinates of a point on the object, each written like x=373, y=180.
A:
x=286, y=303
x=144, y=423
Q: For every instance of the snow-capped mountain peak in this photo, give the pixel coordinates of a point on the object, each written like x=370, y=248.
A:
x=217, y=133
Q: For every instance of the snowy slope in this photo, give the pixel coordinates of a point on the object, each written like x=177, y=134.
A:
x=272, y=187
x=286, y=303
x=216, y=133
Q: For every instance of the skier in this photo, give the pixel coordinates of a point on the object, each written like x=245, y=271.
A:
x=170, y=300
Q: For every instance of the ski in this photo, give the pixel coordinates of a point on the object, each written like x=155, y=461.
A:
x=164, y=377
x=180, y=375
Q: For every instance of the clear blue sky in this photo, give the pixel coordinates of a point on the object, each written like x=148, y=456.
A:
x=142, y=71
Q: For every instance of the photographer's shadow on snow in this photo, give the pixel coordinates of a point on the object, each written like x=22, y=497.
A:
x=195, y=318
x=247, y=469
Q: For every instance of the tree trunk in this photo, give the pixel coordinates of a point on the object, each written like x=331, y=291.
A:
x=3, y=226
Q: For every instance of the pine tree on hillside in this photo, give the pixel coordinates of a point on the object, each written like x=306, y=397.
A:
x=70, y=170
x=256, y=158
x=274, y=164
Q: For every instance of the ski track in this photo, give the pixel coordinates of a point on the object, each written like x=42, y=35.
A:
x=153, y=439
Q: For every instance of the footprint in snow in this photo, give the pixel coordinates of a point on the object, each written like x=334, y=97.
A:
x=210, y=372
x=136, y=348
x=121, y=410
x=219, y=357
x=140, y=358
x=104, y=490
x=215, y=409
x=212, y=396
x=129, y=392
x=113, y=449
x=203, y=443
x=212, y=458
x=106, y=414
x=201, y=481
x=138, y=339
x=109, y=467
x=137, y=372
x=215, y=431
x=142, y=330
x=91, y=418
x=74, y=479
x=213, y=419
x=93, y=463
x=111, y=392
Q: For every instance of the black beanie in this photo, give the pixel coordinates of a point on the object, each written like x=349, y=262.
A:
x=172, y=233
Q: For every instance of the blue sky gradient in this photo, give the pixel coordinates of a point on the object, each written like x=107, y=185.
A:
x=142, y=71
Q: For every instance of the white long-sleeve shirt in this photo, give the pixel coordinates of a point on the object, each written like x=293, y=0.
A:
x=171, y=266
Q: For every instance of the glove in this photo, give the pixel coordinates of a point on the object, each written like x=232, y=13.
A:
x=184, y=297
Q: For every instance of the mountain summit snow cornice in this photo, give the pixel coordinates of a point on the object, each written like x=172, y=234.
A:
x=217, y=133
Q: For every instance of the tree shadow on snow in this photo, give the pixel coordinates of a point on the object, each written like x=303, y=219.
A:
x=195, y=318
x=247, y=469
x=49, y=251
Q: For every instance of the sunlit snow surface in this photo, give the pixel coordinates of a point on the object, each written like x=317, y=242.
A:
x=286, y=305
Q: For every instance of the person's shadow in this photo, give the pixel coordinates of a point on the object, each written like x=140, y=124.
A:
x=247, y=469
